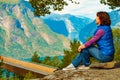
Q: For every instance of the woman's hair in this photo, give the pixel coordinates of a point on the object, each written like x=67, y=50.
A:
x=104, y=18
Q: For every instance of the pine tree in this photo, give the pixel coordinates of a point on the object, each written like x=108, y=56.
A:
x=1, y=69
x=7, y=74
x=116, y=37
x=35, y=57
x=46, y=60
x=55, y=62
x=69, y=55
x=29, y=76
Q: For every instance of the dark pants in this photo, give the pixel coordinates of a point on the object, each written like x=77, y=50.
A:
x=84, y=56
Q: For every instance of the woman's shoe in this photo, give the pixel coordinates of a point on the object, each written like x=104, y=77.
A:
x=69, y=67
x=83, y=67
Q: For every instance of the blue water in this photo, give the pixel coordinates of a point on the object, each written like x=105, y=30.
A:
x=41, y=58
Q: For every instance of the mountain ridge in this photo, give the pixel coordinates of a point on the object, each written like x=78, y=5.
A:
x=79, y=24
x=70, y=25
x=22, y=33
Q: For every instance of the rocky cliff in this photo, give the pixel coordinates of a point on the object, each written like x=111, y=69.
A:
x=22, y=33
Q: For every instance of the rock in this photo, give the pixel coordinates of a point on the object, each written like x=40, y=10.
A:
x=107, y=65
x=90, y=74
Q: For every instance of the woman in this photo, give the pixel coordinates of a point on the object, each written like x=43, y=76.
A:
x=104, y=52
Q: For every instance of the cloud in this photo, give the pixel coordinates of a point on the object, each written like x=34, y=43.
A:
x=26, y=0
x=86, y=8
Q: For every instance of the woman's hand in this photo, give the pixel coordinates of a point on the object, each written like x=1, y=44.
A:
x=81, y=47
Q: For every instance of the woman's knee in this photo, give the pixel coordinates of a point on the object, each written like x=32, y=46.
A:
x=84, y=51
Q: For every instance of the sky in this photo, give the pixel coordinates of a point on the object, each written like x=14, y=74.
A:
x=87, y=8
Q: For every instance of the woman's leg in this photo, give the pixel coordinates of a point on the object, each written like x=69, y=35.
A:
x=95, y=52
x=82, y=58
x=92, y=51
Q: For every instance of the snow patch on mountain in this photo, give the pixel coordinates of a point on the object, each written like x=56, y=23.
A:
x=73, y=34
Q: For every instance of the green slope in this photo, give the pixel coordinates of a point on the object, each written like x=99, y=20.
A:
x=21, y=33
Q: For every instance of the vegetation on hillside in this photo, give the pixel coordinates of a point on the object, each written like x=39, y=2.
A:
x=29, y=76
x=1, y=70
x=116, y=36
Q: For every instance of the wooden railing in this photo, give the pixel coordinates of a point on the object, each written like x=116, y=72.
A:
x=9, y=63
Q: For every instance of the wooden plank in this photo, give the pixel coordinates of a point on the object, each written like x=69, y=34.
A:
x=21, y=71
x=27, y=65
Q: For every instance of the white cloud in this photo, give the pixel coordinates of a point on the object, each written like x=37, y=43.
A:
x=26, y=0
x=86, y=8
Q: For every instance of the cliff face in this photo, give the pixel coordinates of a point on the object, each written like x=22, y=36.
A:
x=22, y=33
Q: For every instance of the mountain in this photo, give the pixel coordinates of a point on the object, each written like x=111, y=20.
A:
x=68, y=25
x=22, y=33
x=115, y=17
x=73, y=27
x=87, y=31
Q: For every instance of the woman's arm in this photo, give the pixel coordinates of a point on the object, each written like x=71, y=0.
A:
x=96, y=37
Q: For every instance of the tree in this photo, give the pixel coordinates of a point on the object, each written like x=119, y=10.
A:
x=55, y=62
x=1, y=69
x=16, y=77
x=52, y=61
x=114, y=4
x=7, y=74
x=42, y=7
x=116, y=37
x=69, y=55
x=46, y=60
x=35, y=57
x=29, y=76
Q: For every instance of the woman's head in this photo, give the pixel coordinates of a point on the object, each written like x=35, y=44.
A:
x=103, y=18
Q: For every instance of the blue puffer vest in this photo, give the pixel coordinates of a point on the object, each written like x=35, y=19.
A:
x=105, y=43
